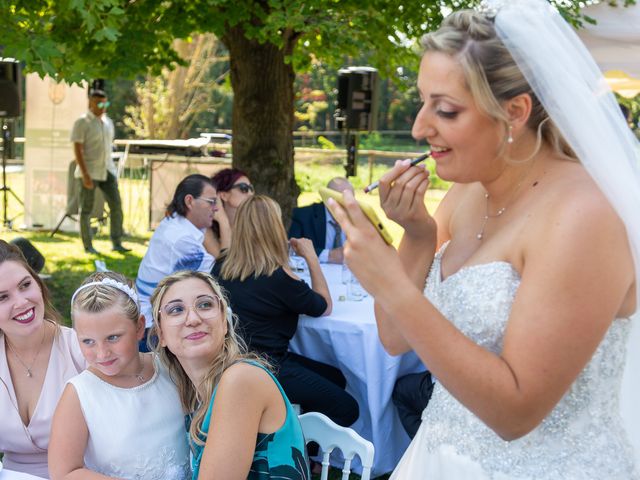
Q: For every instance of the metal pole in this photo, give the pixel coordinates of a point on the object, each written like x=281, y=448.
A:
x=5, y=147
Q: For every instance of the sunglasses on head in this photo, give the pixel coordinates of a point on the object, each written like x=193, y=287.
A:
x=243, y=187
x=104, y=104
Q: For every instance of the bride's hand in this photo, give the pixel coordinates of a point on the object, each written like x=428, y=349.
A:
x=367, y=255
x=402, y=191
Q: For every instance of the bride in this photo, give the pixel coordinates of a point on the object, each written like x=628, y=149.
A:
x=528, y=262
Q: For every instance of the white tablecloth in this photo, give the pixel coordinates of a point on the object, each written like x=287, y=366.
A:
x=348, y=339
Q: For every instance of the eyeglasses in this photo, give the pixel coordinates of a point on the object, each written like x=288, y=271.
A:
x=206, y=307
x=243, y=187
x=211, y=201
x=104, y=104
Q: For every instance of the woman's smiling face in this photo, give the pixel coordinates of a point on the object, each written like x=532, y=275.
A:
x=464, y=140
x=192, y=324
x=21, y=302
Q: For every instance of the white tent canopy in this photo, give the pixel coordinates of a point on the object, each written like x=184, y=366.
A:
x=614, y=41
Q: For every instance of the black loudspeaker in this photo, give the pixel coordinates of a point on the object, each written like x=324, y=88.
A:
x=10, y=88
x=358, y=98
x=31, y=253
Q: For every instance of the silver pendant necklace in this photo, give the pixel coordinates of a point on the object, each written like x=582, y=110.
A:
x=33, y=362
x=138, y=376
x=487, y=216
x=510, y=201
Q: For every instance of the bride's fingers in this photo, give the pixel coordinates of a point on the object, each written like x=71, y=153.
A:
x=359, y=220
x=411, y=190
x=350, y=216
x=422, y=188
x=403, y=189
x=385, y=182
x=340, y=215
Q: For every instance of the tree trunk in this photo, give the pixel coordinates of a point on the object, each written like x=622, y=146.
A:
x=262, y=122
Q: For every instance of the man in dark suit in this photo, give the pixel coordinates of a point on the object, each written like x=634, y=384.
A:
x=316, y=223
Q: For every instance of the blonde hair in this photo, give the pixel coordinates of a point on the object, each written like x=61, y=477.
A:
x=195, y=398
x=259, y=245
x=100, y=297
x=491, y=74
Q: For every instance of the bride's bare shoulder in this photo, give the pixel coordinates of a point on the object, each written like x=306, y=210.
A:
x=570, y=207
x=570, y=189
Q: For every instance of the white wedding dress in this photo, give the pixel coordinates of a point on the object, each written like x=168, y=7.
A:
x=582, y=437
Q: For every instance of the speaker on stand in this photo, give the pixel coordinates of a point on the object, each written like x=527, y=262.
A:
x=10, y=108
x=356, y=109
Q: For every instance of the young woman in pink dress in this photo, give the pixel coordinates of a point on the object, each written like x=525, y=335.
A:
x=37, y=357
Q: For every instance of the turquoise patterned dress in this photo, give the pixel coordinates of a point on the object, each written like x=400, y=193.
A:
x=279, y=455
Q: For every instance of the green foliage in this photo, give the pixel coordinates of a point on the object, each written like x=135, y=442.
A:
x=371, y=141
x=82, y=39
x=633, y=107
x=168, y=104
x=325, y=143
x=78, y=39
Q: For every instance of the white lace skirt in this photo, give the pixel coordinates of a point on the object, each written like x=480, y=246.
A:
x=442, y=464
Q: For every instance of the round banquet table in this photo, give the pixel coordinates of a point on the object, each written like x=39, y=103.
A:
x=348, y=339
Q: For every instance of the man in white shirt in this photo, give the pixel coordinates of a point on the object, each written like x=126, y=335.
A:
x=92, y=136
x=178, y=242
x=316, y=223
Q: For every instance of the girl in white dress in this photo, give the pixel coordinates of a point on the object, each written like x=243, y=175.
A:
x=528, y=261
x=122, y=417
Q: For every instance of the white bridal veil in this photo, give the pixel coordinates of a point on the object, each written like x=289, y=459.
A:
x=573, y=91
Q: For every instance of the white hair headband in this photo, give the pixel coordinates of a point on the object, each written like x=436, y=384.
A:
x=131, y=293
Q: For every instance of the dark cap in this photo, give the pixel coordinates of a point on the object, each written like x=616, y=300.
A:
x=95, y=92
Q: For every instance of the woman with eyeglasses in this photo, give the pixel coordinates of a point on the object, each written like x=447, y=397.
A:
x=268, y=299
x=241, y=424
x=233, y=187
x=179, y=241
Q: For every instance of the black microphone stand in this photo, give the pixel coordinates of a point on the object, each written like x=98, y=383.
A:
x=6, y=141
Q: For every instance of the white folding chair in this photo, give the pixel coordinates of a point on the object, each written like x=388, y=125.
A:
x=319, y=428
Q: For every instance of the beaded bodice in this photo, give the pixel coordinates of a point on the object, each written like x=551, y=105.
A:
x=582, y=437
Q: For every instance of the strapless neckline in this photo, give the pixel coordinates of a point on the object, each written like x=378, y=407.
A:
x=464, y=268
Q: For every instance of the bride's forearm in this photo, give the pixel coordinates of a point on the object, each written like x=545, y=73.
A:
x=416, y=256
x=479, y=379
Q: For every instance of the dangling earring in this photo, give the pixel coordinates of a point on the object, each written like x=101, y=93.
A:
x=510, y=137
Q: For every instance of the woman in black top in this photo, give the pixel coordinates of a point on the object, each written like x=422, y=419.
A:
x=268, y=297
